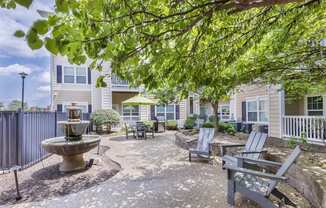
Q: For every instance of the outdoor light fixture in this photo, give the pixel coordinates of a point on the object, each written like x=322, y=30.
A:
x=23, y=75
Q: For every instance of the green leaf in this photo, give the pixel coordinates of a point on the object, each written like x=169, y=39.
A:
x=33, y=41
x=51, y=45
x=25, y=3
x=62, y=6
x=19, y=34
x=41, y=26
x=100, y=82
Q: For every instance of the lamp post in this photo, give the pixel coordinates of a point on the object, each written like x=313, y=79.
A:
x=23, y=75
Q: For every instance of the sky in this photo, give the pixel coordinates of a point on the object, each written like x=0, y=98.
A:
x=16, y=56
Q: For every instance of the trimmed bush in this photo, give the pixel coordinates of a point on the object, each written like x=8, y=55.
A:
x=227, y=128
x=189, y=123
x=171, y=125
x=208, y=125
x=105, y=117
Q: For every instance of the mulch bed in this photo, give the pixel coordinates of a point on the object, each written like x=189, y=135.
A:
x=44, y=180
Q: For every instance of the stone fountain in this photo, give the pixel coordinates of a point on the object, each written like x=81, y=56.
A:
x=74, y=144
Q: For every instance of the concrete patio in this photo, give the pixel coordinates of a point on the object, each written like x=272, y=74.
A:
x=155, y=173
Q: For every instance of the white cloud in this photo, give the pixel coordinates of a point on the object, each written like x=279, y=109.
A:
x=44, y=77
x=44, y=88
x=20, y=19
x=14, y=69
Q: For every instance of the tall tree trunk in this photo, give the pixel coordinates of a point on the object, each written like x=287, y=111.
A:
x=215, y=109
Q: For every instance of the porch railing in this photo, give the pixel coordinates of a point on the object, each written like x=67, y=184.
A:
x=310, y=127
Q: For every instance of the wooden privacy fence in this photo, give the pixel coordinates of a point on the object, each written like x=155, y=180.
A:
x=21, y=134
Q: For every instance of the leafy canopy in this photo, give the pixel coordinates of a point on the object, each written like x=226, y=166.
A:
x=208, y=45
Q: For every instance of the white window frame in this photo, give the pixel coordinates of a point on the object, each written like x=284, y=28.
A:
x=257, y=99
x=220, y=113
x=64, y=104
x=306, y=103
x=75, y=74
x=130, y=116
x=165, y=107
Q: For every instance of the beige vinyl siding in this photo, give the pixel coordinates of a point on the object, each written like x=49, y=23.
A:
x=274, y=107
x=68, y=96
x=183, y=110
x=274, y=112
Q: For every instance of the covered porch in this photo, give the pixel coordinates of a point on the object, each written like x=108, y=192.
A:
x=128, y=114
x=305, y=118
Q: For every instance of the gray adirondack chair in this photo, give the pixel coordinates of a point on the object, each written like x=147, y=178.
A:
x=256, y=185
x=203, y=149
x=253, y=149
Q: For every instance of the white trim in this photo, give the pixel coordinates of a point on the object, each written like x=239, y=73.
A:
x=75, y=74
x=165, y=112
x=314, y=95
x=257, y=99
x=282, y=112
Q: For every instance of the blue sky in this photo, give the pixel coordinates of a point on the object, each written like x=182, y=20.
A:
x=15, y=56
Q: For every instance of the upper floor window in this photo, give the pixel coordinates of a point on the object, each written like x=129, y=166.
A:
x=68, y=75
x=74, y=75
x=81, y=74
x=165, y=112
x=257, y=110
x=315, y=106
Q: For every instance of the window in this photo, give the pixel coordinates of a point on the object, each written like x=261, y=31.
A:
x=74, y=75
x=69, y=75
x=165, y=112
x=257, y=110
x=224, y=112
x=315, y=106
x=81, y=74
x=130, y=113
x=170, y=112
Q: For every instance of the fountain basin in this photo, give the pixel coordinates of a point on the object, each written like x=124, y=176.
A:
x=74, y=129
x=71, y=151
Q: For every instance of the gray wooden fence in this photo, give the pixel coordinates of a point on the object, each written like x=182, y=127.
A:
x=21, y=134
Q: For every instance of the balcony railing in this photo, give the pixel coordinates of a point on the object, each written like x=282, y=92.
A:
x=310, y=127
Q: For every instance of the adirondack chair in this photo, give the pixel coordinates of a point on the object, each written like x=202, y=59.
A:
x=203, y=148
x=256, y=185
x=253, y=149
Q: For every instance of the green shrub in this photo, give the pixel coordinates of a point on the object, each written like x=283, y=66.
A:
x=101, y=117
x=189, y=123
x=208, y=125
x=226, y=128
x=149, y=123
x=292, y=143
x=171, y=125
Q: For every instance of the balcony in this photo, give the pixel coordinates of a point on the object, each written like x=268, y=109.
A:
x=121, y=85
